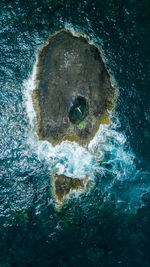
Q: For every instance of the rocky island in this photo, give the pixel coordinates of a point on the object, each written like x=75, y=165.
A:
x=72, y=97
x=73, y=90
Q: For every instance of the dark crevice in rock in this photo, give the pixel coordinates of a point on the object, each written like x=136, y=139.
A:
x=78, y=110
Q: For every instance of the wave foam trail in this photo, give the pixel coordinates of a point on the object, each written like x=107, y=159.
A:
x=106, y=156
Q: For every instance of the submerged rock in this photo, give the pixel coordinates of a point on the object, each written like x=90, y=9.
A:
x=63, y=186
x=73, y=91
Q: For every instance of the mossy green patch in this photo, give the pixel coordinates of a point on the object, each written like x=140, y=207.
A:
x=81, y=125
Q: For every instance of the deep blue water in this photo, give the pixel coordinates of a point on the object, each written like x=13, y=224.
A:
x=109, y=226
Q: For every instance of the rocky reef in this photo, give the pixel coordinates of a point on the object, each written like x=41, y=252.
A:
x=64, y=186
x=73, y=90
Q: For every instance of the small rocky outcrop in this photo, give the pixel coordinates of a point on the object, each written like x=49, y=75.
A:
x=63, y=186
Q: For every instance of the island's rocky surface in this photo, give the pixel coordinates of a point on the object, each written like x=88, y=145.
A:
x=63, y=186
x=73, y=89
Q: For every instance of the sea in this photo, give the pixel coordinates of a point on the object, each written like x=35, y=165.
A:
x=109, y=225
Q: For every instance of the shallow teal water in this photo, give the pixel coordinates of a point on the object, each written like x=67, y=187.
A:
x=110, y=225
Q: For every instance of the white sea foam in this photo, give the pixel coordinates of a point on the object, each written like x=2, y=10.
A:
x=29, y=86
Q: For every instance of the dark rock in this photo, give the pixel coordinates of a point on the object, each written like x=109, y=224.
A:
x=73, y=90
x=64, y=185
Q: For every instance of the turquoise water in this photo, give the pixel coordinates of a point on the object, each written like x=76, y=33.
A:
x=109, y=226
